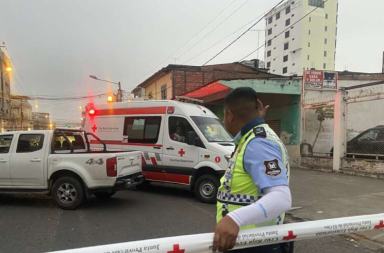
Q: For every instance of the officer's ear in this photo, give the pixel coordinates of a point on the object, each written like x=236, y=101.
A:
x=229, y=116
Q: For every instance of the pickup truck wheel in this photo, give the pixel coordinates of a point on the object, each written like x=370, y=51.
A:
x=104, y=195
x=68, y=193
x=206, y=188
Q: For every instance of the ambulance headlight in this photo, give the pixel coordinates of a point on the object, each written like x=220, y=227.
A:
x=227, y=157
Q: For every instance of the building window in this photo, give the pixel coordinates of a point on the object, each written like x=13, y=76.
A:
x=287, y=34
x=325, y=41
x=285, y=70
x=309, y=32
x=268, y=65
x=326, y=28
x=269, y=31
x=285, y=58
x=309, y=44
x=270, y=20
x=325, y=53
x=269, y=53
x=310, y=19
x=269, y=42
x=326, y=16
x=288, y=10
x=293, y=64
x=277, y=15
x=324, y=65
x=308, y=58
x=287, y=22
x=286, y=46
x=164, y=92
x=316, y=3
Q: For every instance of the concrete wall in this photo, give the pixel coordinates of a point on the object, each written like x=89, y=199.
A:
x=154, y=88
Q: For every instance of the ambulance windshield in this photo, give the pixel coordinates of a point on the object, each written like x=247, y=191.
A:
x=212, y=129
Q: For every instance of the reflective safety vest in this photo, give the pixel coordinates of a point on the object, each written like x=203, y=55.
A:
x=237, y=187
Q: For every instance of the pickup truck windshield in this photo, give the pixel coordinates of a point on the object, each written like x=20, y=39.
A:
x=212, y=129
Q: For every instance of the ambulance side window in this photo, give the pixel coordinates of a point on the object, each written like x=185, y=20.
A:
x=142, y=129
x=178, y=129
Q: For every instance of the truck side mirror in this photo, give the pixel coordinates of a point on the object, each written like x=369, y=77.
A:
x=191, y=138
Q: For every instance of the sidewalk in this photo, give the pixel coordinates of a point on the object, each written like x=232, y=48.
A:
x=323, y=195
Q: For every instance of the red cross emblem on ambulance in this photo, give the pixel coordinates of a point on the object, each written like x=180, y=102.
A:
x=176, y=249
x=94, y=128
x=181, y=152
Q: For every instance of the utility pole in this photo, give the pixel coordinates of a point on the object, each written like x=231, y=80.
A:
x=258, y=41
x=119, y=93
x=21, y=113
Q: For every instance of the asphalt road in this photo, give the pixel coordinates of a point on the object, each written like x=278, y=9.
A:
x=33, y=224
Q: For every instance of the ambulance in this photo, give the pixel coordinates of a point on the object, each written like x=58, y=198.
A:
x=181, y=143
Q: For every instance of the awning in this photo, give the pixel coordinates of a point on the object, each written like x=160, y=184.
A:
x=208, y=90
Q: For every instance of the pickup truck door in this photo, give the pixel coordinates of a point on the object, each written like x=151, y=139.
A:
x=28, y=161
x=5, y=155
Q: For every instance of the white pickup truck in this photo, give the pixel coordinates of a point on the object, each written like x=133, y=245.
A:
x=61, y=163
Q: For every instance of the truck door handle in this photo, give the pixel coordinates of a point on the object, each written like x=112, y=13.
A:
x=36, y=160
x=157, y=147
x=170, y=148
x=3, y=161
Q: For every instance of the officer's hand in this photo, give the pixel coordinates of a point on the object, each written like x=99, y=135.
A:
x=262, y=110
x=226, y=233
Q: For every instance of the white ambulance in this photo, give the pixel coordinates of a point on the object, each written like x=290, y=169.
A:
x=181, y=143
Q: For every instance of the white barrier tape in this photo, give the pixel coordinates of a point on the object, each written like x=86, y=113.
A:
x=202, y=243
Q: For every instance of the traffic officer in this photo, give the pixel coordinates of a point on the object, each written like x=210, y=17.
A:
x=254, y=191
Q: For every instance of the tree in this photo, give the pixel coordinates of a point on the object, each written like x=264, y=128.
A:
x=323, y=113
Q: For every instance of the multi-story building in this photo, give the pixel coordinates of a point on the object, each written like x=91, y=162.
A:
x=5, y=91
x=310, y=43
x=21, y=114
x=41, y=121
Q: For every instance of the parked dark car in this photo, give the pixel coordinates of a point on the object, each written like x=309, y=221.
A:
x=367, y=144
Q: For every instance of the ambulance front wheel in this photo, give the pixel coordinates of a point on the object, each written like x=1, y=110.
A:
x=206, y=188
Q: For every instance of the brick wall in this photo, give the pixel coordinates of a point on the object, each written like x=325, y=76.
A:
x=363, y=167
x=188, y=79
x=324, y=163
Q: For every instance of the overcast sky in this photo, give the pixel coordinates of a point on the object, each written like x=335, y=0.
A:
x=56, y=44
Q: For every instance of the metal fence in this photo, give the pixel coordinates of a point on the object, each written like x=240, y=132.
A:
x=364, y=120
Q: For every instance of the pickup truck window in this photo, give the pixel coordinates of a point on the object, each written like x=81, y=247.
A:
x=75, y=138
x=142, y=129
x=5, y=143
x=30, y=143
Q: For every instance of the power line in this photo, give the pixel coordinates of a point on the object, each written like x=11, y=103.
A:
x=309, y=13
x=191, y=38
x=230, y=44
x=253, y=20
x=209, y=33
x=17, y=71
